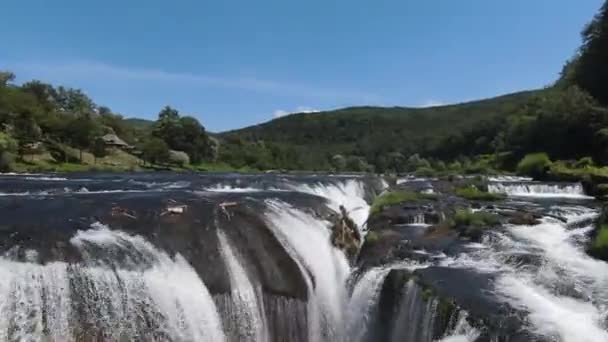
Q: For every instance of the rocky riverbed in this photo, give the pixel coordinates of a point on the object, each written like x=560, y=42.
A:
x=183, y=257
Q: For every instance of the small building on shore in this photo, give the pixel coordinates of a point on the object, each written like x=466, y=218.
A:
x=113, y=141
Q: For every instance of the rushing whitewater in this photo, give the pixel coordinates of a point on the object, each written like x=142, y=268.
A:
x=250, y=258
x=531, y=189
x=145, y=295
x=565, y=294
x=308, y=241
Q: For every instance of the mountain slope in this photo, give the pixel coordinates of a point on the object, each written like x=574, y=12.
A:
x=371, y=130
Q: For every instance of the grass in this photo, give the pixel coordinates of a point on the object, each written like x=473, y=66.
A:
x=472, y=193
x=599, y=245
x=466, y=217
x=391, y=198
x=472, y=224
x=372, y=238
x=601, y=240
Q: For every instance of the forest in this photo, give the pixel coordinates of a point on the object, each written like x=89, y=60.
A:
x=563, y=126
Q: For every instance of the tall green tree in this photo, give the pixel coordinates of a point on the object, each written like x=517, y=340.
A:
x=82, y=131
x=591, y=68
x=155, y=150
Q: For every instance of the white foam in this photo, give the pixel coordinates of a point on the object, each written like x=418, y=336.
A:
x=164, y=296
x=561, y=318
x=363, y=301
x=349, y=193
x=463, y=331
x=249, y=315
x=307, y=239
x=539, y=190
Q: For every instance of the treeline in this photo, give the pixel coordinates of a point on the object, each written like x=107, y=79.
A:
x=37, y=118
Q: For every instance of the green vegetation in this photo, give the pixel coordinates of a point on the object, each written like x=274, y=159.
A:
x=392, y=198
x=472, y=224
x=601, y=240
x=466, y=217
x=371, y=238
x=599, y=244
x=535, y=165
x=473, y=193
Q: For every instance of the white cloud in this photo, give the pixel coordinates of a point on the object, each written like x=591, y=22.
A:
x=432, y=103
x=76, y=71
x=280, y=112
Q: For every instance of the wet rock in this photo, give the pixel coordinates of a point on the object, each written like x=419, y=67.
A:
x=345, y=234
x=521, y=218
x=33, y=224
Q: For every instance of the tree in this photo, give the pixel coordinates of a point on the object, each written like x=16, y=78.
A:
x=82, y=131
x=194, y=140
x=27, y=131
x=155, y=151
x=338, y=162
x=45, y=94
x=590, y=69
x=99, y=149
x=6, y=77
x=74, y=101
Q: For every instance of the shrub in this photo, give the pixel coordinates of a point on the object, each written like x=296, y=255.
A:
x=7, y=143
x=534, y=165
x=466, y=217
x=372, y=237
x=6, y=161
x=599, y=245
x=472, y=193
x=584, y=162
x=425, y=172
x=178, y=158
x=397, y=197
x=472, y=224
x=455, y=166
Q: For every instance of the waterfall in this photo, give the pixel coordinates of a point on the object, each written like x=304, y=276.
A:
x=307, y=239
x=125, y=290
x=418, y=219
x=415, y=318
x=565, y=294
x=363, y=302
x=463, y=331
x=247, y=319
x=538, y=190
x=348, y=193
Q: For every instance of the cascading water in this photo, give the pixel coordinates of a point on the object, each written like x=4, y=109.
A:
x=118, y=286
x=363, y=301
x=247, y=317
x=308, y=241
x=538, y=189
x=564, y=294
x=349, y=193
x=125, y=290
x=463, y=331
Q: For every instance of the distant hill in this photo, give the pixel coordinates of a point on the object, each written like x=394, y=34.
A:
x=138, y=123
x=370, y=130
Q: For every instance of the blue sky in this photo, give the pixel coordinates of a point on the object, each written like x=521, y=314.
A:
x=236, y=63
